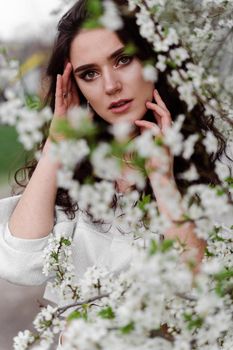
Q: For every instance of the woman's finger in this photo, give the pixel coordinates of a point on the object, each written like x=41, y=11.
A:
x=66, y=76
x=163, y=113
x=166, y=120
x=144, y=124
x=159, y=100
x=162, y=116
x=59, y=101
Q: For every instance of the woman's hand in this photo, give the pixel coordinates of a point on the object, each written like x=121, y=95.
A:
x=166, y=191
x=161, y=114
x=164, y=121
x=66, y=97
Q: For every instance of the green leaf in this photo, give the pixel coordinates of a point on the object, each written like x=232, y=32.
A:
x=107, y=313
x=166, y=245
x=74, y=315
x=229, y=180
x=153, y=248
x=144, y=201
x=193, y=321
x=128, y=328
x=91, y=24
x=3, y=50
x=139, y=162
x=224, y=275
x=154, y=9
x=208, y=253
x=159, y=141
x=86, y=129
x=65, y=241
x=94, y=7
x=166, y=30
x=130, y=49
x=219, y=289
x=171, y=64
x=89, y=180
x=54, y=256
x=186, y=217
x=62, y=127
x=118, y=148
x=33, y=102
x=220, y=192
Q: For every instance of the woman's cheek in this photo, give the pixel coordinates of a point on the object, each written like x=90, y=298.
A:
x=88, y=88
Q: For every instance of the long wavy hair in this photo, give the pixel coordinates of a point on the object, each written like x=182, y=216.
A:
x=195, y=120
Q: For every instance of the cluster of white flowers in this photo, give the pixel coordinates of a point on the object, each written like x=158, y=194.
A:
x=105, y=165
x=23, y=340
x=158, y=302
x=58, y=264
x=97, y=199
x=150, y=73
x=9, y=69
x=194, y=82
x=111, y=18
x=28, y=122
x=133, y=306
x=19, y=110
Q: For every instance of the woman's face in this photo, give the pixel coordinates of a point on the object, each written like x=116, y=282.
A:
x=109, y=79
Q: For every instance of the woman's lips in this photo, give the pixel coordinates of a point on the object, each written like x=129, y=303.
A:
x=122, y=108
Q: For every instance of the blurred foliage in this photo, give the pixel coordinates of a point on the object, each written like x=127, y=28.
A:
x=12, y=154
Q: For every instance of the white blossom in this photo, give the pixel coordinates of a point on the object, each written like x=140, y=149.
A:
x=179, y=55
x=106, y=166
x=150, y=73
x=77, y=116
x=111, y=18
x=23, y=339
x=210, y=142
x=188, y=146
x=173, y=137
x=121, y=130
x=69, y=152
x=191, y=174
x=161, y=64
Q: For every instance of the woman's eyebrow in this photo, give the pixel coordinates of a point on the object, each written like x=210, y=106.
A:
x=91, y=65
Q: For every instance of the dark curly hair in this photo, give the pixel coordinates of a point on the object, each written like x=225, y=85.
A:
x=195, y=120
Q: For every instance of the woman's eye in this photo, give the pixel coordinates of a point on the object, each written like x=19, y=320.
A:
x=125, y=59
x=89, y=75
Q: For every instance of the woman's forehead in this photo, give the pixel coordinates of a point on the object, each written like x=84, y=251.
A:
x=89, y=45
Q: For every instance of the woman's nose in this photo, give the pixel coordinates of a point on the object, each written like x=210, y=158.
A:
x=112, y=83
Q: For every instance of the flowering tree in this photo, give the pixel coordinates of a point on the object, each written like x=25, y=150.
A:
x=148, y=306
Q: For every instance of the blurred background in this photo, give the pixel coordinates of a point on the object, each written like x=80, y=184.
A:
x=27, y=29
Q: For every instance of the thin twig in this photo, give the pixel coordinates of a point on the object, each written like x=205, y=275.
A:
x=61, y=310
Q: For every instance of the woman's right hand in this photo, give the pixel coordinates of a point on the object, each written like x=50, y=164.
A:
x=66, y=97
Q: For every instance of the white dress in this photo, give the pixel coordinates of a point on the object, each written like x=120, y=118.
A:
x=21, y=260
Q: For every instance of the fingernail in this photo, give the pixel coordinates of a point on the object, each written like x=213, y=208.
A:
x=156, y=91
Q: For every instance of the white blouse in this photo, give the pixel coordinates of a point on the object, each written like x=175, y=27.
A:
x=21, y=260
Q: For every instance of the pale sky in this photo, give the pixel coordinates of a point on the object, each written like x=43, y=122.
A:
x=20, y=18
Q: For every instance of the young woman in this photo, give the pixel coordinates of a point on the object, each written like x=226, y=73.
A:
x=90, y=66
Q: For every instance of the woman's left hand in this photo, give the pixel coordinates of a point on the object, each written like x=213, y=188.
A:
x=164, y=121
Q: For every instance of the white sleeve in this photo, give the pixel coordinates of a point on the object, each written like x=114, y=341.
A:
x=21, y=260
